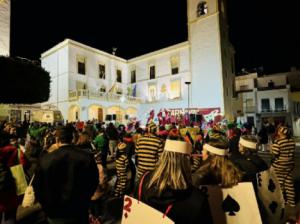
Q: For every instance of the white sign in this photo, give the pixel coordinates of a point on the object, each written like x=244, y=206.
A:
x=233, y=205
x=137, y=212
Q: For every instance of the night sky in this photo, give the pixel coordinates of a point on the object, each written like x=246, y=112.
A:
x=263, y=35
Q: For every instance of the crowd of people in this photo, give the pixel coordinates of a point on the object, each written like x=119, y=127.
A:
x=72, y=168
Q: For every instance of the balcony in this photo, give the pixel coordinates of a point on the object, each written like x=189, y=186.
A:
x=276, y=110
x=272, y=87
x=111, y=97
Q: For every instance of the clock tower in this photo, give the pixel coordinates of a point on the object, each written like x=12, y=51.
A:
x=211, y=55
x=4, y=27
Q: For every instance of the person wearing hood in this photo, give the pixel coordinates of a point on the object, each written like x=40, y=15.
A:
x=168, y=188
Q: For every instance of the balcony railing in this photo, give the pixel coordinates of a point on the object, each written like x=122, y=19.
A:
x=82, y=93
x=272, y=110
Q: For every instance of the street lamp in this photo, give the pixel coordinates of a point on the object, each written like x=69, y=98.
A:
x=188, y=84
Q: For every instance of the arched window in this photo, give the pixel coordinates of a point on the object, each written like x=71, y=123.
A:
x=202, y=9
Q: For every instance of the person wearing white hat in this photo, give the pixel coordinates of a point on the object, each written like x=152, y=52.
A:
x=247, y=159
x=169, y=187
x=216, y=169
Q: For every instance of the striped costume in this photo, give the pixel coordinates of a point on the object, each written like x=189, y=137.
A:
x=148, y=150
x=121, y=167
x=284, y=151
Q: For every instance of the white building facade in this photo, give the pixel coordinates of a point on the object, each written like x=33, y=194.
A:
x=87, y=83
x=273, y=98
x=4, y=27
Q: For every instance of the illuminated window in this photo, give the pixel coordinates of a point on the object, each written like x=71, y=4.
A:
x=101, y=71
x=119, y=75
x=81, y=65
x=202, y=9
x=152, y=92
x=175, y=89
x=174, y=65
x=152, y=72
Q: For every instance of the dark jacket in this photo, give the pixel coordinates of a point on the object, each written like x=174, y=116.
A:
x=65, y=181
x=250, y=164
x=189, y=206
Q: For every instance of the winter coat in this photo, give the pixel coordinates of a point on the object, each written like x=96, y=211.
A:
x=65, y=181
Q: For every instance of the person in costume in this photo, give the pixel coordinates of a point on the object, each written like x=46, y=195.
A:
x=247, y=159
x=283, y=151
x=121, y=167
x=168, y=188
x=216, y=169
x=148, y=150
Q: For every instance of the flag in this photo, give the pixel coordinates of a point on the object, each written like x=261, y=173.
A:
x=113, y=88
x=134, y=91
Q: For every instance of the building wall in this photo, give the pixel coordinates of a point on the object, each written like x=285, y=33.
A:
x=271, y=95
x=205, y=54
x=4, y=27
x=57, y=65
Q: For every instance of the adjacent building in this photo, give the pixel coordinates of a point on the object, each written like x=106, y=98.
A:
x=198, y=74
x=273, y=98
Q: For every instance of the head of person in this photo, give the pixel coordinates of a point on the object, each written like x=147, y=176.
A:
x=173, y=170
x=121, y=149
x=151, y=128
x=284, y=132
x=215, y=147
x=83, y=139
x=216, y=162
x=248, y=144
x=64, y=135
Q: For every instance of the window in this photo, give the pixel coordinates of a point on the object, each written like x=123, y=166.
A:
x=202, y=9
x=175, y=89
x=133, y=76
x=265, y=105
x=101, y=71
x=119, y=75
x=81, y=65
x=279, y=104
x=103, y=89
x=152, y=72
x=174, y=65
x=152, y=92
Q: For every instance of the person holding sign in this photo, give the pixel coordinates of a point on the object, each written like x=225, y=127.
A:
x=169, y=187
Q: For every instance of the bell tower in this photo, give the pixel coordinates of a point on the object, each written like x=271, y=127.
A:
x=211, y=55
x=4, y=27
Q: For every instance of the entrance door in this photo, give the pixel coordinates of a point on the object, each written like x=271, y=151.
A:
x=100, y=114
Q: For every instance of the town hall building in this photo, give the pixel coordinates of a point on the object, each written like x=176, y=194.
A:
x=195, y=75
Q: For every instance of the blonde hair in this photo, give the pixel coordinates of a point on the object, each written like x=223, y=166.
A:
x=225, y=172
x=173, y=171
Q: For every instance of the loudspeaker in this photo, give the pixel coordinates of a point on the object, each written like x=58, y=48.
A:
x=114, y=117
x=198, y=118
x=108, y=117
x=192, y=117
